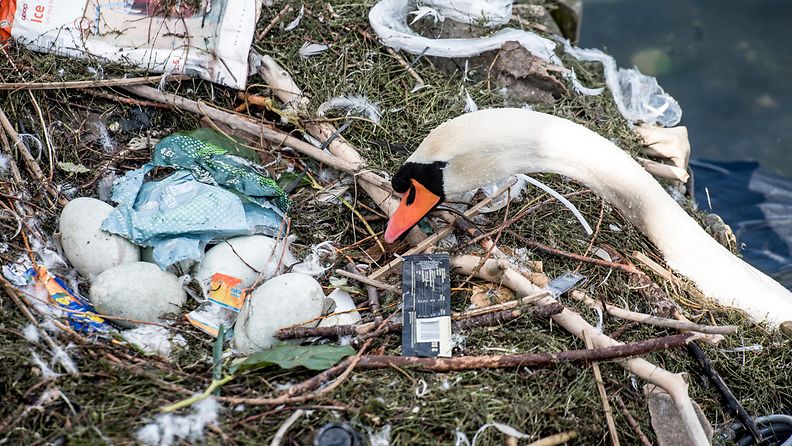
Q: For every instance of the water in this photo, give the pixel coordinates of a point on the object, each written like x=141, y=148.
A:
x=727, y=62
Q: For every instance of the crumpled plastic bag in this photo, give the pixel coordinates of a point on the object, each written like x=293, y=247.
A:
x=181, y=214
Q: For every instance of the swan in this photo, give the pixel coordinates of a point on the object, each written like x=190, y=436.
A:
x=478, y=148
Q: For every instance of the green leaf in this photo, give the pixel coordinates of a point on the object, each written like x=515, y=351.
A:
x=289, y=356
x=72, y=168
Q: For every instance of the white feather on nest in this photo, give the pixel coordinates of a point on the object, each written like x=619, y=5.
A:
x=353, y=105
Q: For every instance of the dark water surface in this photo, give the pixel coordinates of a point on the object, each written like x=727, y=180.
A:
x=727, y=62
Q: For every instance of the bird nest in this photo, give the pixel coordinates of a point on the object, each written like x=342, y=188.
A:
x=80, y=137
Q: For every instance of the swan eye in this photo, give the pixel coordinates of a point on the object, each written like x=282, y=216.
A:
x=411, y=195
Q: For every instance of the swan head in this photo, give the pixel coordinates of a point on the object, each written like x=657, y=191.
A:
x=421, y=186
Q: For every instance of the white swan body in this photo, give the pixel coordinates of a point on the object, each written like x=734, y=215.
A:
x=481, y=147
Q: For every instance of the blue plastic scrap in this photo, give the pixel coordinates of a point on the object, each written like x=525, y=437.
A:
x=180, y=214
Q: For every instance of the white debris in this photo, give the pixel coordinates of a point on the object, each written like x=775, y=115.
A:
x=388, y=18
x=312, y=49
x=154, y=340
x=5, y=163
x=46, y=371
x=462, y=439
x=312, y=265
x=59, y=356
x=426, y=11
x=470, y=104
x=381, y=437
x=638, y=97
x=353, y=105
x=31, y=333
x=296, y=22
x=168, y=429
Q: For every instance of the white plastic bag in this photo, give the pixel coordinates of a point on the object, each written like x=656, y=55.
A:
x=210, y=41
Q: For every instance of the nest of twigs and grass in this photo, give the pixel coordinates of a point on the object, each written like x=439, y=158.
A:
x=118, y=390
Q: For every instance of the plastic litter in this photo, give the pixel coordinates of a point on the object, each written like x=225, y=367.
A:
x=79, y=313
x=638, y=97
x=758, y=207
x=208, y=39
x=491, y=13
x=388, y=18
x=180, y=214
x=225, y=300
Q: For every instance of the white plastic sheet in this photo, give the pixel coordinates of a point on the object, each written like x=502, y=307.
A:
x=638, y=97
x=209, y=39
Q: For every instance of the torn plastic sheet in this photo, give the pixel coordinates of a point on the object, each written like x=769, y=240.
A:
x=489, y=13
x=388, y=18
x=179, y=215
x=206, y=38
x=757, y=205
x=638, y=97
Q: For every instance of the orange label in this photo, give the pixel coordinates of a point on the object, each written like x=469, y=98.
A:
x=7, y=11
x=226, y=292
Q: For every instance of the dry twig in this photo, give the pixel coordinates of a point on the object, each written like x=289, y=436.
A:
x=603, y=395
x=502, y=273
x=653, y=320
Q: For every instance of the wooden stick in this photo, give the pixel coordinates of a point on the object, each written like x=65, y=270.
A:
x=603, y=395
x=733, y=405
x=276, y=441
x=371, y=291
x=555, y=439
x=284, y=87
x=501, y=272
x=526, y=360
x=275, y=20
x=648, y=319
x=33, y=166
x=90, y=84
x=274, y=136
x=368, y=281
x=569, y=255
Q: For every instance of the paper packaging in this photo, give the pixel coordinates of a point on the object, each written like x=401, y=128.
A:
x=426, y=329
x=226, y=299
x=208, y=38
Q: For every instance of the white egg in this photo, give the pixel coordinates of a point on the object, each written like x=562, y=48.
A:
x=89, y=249
x=345, y=305
x=245, y=258
x=139, y=291
x=280, y=302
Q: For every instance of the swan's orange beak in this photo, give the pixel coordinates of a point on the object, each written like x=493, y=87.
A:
x=416, y=203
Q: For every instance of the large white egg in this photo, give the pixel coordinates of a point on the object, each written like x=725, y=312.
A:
x=280, y=302
x=245, y=258
x=139, y=291
x=344, y=305
x=89, y=249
